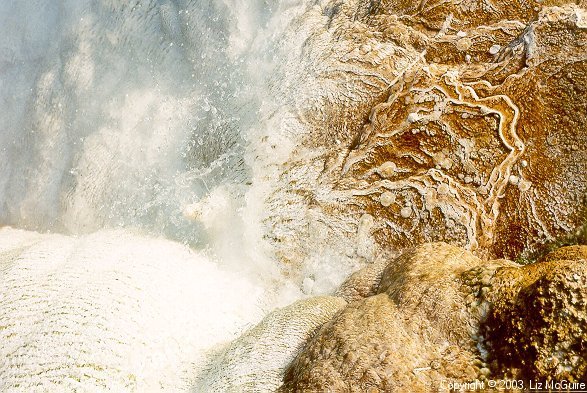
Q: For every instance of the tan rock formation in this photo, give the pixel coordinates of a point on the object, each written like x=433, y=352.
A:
x=538, y=329
x=442, y=314
x=569, y=253
x=364, y=282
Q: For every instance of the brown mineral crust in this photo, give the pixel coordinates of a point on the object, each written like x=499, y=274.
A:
x=415, y=332
x=432, y=159
x=469, y=129
x=538, y=330
x=441, y=313
x=553, y=121
x=467, y=13
x=541, y=96
x=568, y=253
x=361, y=60
x=351, y=59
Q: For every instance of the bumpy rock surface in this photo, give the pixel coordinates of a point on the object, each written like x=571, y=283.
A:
x=364, y=282
x=417, y=329
x=456, y=121
x=539, y=330
x=570, y=253
x=442, y=314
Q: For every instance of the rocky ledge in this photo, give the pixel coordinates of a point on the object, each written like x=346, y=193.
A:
x=435, y=314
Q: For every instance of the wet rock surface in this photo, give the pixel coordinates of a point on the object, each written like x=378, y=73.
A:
x=455, y=121
x=257, y=359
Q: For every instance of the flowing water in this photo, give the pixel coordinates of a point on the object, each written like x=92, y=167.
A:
x=130, y=113
x=123, y=121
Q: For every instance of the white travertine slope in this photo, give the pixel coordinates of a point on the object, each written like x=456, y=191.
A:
x=111, y=312
x=256, y=361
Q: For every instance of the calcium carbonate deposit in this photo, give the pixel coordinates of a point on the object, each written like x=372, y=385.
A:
x=185, y=185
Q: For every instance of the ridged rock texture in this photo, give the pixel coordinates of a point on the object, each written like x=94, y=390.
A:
x=424, y=121
x=255, y=362
x=111, y=312
x=442, y=314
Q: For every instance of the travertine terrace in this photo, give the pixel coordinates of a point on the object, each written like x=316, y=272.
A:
x=293, y=196
x=456, y=121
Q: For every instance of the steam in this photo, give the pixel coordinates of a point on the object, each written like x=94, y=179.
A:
x=119, y=114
